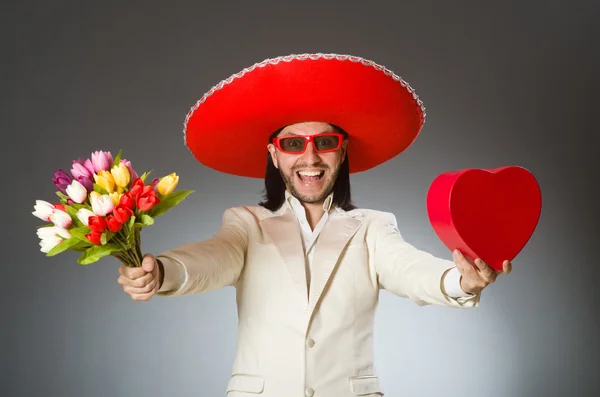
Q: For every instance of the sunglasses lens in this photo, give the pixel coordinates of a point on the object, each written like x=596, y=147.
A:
x=326, y=142
x=292, y=144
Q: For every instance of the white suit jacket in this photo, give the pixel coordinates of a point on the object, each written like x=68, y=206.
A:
x=297, y=342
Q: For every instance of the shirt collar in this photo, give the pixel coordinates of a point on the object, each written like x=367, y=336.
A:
x=294, y=204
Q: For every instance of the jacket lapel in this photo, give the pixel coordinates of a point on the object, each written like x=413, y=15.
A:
x=331, y=242
x=284, y=231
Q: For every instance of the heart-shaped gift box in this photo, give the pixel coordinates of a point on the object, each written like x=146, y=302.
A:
x=485, y=213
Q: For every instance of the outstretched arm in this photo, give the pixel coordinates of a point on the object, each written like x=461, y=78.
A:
x=206, y=265
x=409, y=272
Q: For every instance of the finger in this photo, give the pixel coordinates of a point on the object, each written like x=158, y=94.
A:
x=148, y=288
x=506, y=267
x=142, y=297
x=136, y=282
x=148, y=262
x=464, y=266
x=485, y=270
x=133, y=273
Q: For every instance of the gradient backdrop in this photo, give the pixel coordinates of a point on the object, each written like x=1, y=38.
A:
x=503, y=85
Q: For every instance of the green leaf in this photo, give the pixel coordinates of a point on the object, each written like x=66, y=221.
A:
x=117, y=159
x=131, y=222
x=145, y=175
x=106, y=236
x=147, y=220
x=169, y=201
x=62, y=196
x=96, y=252
x=73, y=213
x=80, y=232
x=99, y=189
x=80, y=206
x=64, y=245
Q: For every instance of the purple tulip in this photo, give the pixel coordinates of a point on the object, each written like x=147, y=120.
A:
x=154, y=183
x=132, y=173
x=102, y=161
x=61, y=179
x=88, y=183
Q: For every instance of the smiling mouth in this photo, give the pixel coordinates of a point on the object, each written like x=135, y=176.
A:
x=310, y=176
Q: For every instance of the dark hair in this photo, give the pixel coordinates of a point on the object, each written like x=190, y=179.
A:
x=274, y=191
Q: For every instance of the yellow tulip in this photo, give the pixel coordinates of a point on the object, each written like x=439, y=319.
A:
x=167, y=184
x=120, y=174
x=105, y=180
x=116, y=197
x=93, y=194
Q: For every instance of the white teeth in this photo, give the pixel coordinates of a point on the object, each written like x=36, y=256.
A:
x=309, y=173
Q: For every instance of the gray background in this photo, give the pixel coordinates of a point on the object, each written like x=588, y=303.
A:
x=504, y=84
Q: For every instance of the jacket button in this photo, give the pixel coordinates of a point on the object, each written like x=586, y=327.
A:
x=310, y=342
x=309, y=392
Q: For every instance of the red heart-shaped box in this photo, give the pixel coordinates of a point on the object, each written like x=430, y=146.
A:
x=485, y=213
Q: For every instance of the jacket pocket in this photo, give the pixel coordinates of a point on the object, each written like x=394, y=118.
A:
x=366, y=386
x=246, y=383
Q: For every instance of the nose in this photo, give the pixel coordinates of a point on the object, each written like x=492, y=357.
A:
x=310, y=155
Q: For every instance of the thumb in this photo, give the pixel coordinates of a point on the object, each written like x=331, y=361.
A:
x=148, y=262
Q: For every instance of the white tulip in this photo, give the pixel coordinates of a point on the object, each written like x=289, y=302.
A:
x=53, y=231
x=77, y=192
x=102, y=205
x=83, y=214
x=43, y=210
x=61, y=218
x=49, y=243
x=51, y=237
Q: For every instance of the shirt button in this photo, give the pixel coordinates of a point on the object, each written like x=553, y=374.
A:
x=309, y=392
x=310, y=342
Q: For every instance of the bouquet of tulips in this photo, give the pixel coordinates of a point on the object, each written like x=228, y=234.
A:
x=103, y=205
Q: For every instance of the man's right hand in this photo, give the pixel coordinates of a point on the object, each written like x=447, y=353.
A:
x=141, y=283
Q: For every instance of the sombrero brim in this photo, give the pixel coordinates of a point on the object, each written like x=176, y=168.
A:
x=228, y=128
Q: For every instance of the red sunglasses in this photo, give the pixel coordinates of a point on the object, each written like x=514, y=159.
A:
x=296, y=144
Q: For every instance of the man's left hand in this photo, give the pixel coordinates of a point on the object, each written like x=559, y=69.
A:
x=477, y=275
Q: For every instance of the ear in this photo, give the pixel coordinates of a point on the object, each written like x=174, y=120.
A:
x=273, y=150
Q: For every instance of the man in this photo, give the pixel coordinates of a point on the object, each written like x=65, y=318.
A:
x=306, y=264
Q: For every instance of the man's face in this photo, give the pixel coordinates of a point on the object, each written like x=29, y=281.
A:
x=308, y=176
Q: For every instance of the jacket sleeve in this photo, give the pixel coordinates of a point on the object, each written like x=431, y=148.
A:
x=206, y=265
x=409, y=272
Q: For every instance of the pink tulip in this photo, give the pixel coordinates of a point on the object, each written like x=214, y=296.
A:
x=102, y=204
x=61, y=219
x=43, y=210
x=77, y=192
x=78, y=170
x=102, y=161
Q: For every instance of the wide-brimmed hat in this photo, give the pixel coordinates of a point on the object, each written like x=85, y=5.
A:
x=229, y=127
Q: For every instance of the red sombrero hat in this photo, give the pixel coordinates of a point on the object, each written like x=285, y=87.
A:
x=228, y=128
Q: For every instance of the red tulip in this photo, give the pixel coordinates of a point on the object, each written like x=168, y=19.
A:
x=136, y=188
x=127, y=200
x=60, y=207
x=94, y=238
x=147, y=199
x=122, y=213
x=97, y=224
x=113, y=224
